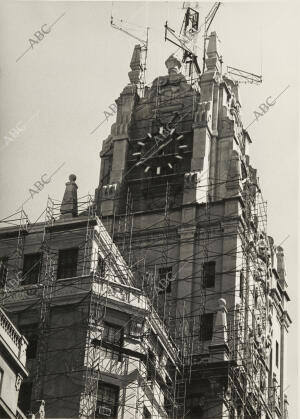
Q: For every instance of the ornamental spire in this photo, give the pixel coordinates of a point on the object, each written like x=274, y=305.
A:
x=68, y=206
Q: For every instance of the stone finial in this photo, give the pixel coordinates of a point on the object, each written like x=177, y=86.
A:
x=42, y=409
x=19, y=380
x=222, y=304
x=280, y=263
x=68, y=206
x=173, y=65
x=136, y=65
x=220, y=327
x=213, y=59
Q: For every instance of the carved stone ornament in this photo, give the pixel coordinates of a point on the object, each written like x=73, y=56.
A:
x=18, y=382
x=202, y=115
x=173, y=65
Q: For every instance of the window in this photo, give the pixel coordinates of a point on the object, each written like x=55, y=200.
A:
x=31, y=268
x=168, y=406
x=146, y=413
x=3, y=271
x=151, y=371
x=159, y=350
x=270, y=373
x=195, y=404
x=209, y=273
x=67, y=263
x=1, y=379
x=101, y=266
x=24, y=400
x=107, y=401
x=206, y=326
x=277, y=354
x=241, y=284
x=165, y=275
x=30, y=331
x=112, y=334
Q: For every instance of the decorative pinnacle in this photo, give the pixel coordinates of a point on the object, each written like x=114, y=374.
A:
x=136, y=65
x=212, y=60
x=68, y=206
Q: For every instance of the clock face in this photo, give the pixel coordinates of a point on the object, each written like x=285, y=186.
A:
x=159, y=153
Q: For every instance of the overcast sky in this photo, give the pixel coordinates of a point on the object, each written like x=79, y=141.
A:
x=55, y=94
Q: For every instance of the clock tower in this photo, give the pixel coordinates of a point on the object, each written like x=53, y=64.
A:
x=178, y=195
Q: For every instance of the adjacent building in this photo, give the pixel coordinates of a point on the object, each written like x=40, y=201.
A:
x=13, y=371
x=96, y=347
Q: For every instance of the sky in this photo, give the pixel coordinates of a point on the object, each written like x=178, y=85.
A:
x=56, y=86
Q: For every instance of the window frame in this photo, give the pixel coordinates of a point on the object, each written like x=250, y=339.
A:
x=101, y=266
x=242, y=282
x=110, y=326
x=277, y=353
x=111, y=353
x=108, y=404
x=146, y=413
x=33, y=271
x=65, y=267
x=206, y=330
x=163, y=272
x=3, y=271
x=151, y=366
x=23, y=385
x=209, y=276
x=1, y=379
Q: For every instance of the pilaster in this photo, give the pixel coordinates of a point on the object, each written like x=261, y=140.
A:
x=186, y=262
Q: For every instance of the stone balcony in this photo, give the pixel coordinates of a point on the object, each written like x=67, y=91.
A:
x=15, y=343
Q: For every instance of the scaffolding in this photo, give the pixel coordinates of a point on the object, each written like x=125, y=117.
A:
x=251, y=391
x=21, y=222
x=140, y=371
x=47, y=281
x=249, y=339
x=246, y=375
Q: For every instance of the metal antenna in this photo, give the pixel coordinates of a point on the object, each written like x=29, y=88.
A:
x=189, y=31
x=242, y=76
x=189, y=27
x=144, y=48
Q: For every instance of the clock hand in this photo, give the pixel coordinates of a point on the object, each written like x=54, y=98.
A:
x=155, y=150
x=152, y=153
x=148, y=155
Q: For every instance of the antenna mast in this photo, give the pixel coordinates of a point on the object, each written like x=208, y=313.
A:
x=187, y=34
x=244, y=76
x=144, y=49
